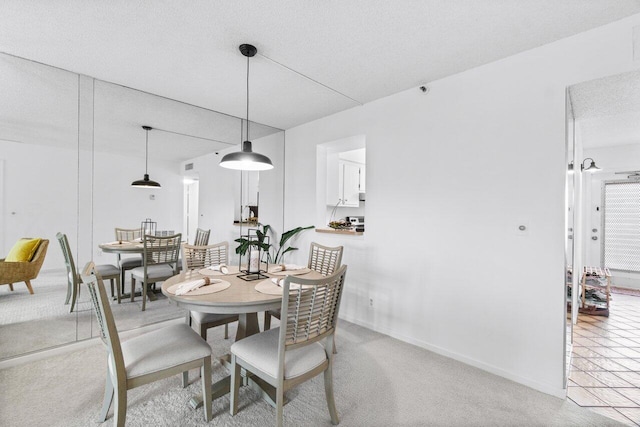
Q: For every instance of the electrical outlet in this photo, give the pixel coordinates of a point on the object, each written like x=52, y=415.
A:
x=371, y=302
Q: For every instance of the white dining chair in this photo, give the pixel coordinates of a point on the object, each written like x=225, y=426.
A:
x=323, y=259
x=146, y=358
x=195, y=257
x=301, y=348
x=129, y=262
x=107, y=271
x=160, y=261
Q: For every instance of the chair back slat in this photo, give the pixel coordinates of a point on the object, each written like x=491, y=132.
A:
x=161, y=250
x=100, y=301
x=310, y=313
x=128, y=234
x=195, y=257
x=72, y=273
x=324, y=259
x=202, y=237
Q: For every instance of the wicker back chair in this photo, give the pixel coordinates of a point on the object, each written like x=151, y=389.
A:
x=130, y=262
x=159, y=262
x=107, y=271
x=202, y=237
x=303, y=345
x=323, y=259
x=146, y=358
x=13, y=272
x=199, y=257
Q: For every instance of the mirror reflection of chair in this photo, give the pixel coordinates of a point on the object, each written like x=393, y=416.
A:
x=323, y=259
x=202, y=237
x=146, y=358
x=23, y=271
x=107, y=271
x=196, y=258
x=128, y=263
x=160, y=261
x=301, y=348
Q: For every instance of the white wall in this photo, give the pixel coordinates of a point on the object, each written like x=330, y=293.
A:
x=461, y=161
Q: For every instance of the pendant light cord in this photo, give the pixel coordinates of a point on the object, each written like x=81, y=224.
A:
x=247, y=98
x=146, y=154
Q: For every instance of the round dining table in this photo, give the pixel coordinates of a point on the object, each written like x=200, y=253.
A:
x=240, y=298
x=123, y=248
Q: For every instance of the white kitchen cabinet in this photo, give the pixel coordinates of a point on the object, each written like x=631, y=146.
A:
x=350, y=174
x=345, y=190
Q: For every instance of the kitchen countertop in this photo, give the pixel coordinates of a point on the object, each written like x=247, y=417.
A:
x=334, y=231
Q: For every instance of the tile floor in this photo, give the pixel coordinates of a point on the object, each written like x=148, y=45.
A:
x=605, y=367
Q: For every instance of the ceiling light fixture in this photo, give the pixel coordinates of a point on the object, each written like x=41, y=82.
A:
x=592, y=166
x=247, y=159
x=146, y=182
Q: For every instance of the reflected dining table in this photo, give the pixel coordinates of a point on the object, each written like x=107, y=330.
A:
x=123, y=248
x=239, y=297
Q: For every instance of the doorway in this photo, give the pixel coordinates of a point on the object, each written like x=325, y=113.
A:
x=190, y=216
x=603, y=129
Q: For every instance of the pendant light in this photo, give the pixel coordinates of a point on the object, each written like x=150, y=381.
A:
x=247, y=159
x=146, y=182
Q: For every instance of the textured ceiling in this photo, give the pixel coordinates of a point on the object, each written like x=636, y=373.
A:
x=366, y=49
x=607, y=110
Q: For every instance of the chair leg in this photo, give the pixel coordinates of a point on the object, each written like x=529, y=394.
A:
x=74, y=295
x=335, y=350
x=279, y=405
x=108, y=398
x=122, y=278
x=68, y=298
x=226, y=331
x=235, y=385
x=112, y=291
x=328, y=390
x=11, y=288
x=185, y=379
x=117, y=279
x=205, y=372
x=144, y=295
x=133, y=288
x=267, y=321
x=120, y=405
x=28, y=283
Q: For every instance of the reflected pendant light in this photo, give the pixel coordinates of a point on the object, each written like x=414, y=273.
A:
x=247, y=159
x=146, y=182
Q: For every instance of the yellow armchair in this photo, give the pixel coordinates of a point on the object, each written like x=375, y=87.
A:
x=12, y=272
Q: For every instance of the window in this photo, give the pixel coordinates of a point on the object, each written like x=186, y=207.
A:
x=622, y=225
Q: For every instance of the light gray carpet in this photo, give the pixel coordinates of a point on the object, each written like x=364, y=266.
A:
x=39, y=321
x=379, y=381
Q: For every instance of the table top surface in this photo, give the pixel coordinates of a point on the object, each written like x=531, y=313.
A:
x=122, y=247
x=240, y=297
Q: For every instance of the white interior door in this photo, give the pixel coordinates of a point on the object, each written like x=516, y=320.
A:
x=191, y=196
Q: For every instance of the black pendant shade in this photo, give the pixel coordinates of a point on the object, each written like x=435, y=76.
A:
x=247, y=159
x=146, y=182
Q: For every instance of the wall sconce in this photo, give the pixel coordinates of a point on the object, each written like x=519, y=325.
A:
x=592, y=166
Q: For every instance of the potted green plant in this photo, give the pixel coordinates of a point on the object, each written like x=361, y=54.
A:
x=273, y=255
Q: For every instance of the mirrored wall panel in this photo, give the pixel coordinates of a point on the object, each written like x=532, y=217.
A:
x=70, y=148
